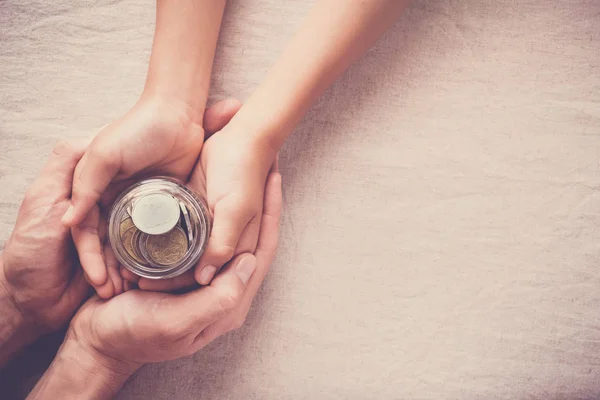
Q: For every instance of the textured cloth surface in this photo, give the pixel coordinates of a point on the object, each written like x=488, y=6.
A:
x=441, y=236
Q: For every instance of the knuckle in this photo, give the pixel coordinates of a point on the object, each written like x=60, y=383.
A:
x=228, y=300
x=238, y=321
x=223, y=251
x=63, y=148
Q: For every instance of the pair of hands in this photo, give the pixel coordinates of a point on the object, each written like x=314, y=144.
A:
x=161, y=137
x=41, y=274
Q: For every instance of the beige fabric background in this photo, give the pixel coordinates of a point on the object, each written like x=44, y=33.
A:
x=441, y=236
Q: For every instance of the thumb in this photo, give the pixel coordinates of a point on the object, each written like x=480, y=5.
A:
x=218, y=115
x=194, y=311
x=93, y=174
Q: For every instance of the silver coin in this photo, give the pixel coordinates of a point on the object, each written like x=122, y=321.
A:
x=187, y=221
x=155, y=213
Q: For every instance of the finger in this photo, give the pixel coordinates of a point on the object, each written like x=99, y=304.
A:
x=269, y=232
x=93, y=174
x=269, y=229
x=267, y=241
x=219, y=115
x=56, y=178
x=64, y=158
x=128, y=275
x=230, y=219
x=127, y=286
x=89, y=249
x=194, y=311
x=275, y=166
x=197, y=181
x=249, y=237
x=76, y=291
x=112, y=267
x=107, y=290
x=116, y=188
x=103, y=228
x=168, y=285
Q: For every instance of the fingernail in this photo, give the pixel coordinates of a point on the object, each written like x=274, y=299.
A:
x=245, y=268
x=68, y=215
x=207, y=274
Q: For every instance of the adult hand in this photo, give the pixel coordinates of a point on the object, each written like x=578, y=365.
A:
x=40, y=272
x=139, y=327
x=157, y=137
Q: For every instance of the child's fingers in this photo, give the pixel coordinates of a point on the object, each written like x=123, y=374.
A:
x=93, y=174
x=269, y=227
x=249, y=237
x=107, y=290
x=127, y=286
x=112, y=267
x=89, y=249
x=265, y=253
x=219, y=114
x=128, y=275
x=230, y=218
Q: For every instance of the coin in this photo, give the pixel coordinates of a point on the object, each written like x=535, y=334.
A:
x=169, y=248
x=155, y=213
x=187, y=221
x=128, y=243
x=137, y=241
x=125, y=225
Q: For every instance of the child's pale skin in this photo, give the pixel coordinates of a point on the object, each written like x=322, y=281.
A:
x=163, y=132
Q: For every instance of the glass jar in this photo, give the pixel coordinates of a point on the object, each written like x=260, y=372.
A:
x=158, y=228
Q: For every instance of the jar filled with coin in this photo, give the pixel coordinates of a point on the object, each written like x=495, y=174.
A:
x=158, y=228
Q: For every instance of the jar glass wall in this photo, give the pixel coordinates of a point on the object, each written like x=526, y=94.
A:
x=158, y=228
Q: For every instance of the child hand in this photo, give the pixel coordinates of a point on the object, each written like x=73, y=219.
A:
x=232, y=171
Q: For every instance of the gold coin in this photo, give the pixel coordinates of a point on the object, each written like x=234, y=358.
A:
x=168, y=248
x=128, y=242
x=137, y=242
x=126, y=224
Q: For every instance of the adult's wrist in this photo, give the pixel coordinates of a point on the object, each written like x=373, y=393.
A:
x=16, y=330
x=79, y=372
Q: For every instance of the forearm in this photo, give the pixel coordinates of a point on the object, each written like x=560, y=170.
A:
x=76, y=374
x=15, y=331
x=336, y=33
x=183, y=50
